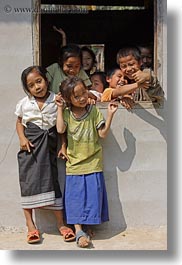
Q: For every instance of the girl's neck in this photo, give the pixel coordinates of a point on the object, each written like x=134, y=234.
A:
x=41, y=101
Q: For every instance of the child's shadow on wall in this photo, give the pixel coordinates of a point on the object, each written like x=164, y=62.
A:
x=116, y=160
x=158, y=122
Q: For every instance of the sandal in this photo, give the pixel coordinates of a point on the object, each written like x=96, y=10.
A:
x=67, y=234
x=33, y=237
x=84, y=235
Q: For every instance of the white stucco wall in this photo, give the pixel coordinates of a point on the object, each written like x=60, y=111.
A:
x=134, y=153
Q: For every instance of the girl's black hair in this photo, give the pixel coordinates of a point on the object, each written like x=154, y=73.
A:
x=112, y=71
x=102, y=77
x=128, y=50
x=67, y=51
x=92, y=54
x=67, y=88
x=39, y=69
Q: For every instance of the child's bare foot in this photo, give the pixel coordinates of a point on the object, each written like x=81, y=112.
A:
x=82, y=239
x=33, y=237
x=67, y=233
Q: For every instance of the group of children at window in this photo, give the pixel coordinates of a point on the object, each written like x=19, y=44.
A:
x=126, y=82
x=135, y=66
x=58, y=101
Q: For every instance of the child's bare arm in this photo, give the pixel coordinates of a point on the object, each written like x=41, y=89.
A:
x=61, y=127
x=123, y=90
x=25, y=144
x=63, y=34
x=62, y=153
x=112, y=108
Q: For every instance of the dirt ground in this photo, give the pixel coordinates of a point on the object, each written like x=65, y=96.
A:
x=131, y=239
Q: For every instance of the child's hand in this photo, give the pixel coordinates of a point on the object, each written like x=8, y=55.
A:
x=112, y=107
x=59, y=100
x=63, y=154
x=60, y=30
x=145, y=85
x=25, y=144
x=141, y=76
x=91, y=101
x=127, y=102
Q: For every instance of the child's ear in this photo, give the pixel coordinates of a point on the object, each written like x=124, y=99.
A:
x=108, y=79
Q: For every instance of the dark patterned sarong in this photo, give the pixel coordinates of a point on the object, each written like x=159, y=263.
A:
x=38, y=171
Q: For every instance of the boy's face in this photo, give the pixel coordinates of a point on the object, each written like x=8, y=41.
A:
x=129, y=65
x=117, y=79
x=146, y=55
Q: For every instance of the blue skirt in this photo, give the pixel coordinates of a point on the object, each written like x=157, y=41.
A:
x=86, y=199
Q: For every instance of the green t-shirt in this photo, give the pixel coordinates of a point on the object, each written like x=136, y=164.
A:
x=84, y=149
x=55, y=75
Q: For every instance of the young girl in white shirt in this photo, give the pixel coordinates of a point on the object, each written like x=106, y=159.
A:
x=37, y=158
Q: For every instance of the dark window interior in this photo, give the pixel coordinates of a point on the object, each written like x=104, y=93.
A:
x=111, y=28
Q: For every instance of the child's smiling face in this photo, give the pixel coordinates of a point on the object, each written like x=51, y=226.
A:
x=87, y=60
x=117, y=79
x=79, y=96
x=71, y=66
x=129, y=65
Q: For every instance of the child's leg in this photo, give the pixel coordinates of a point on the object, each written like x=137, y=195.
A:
x=33, y=235
x=65, y=231
x=78, y=228
x=59, y=218
x=29, y=219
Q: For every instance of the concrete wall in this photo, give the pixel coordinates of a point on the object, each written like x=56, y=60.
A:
x=134, y=153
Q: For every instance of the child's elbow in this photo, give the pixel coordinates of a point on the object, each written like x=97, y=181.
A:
x=60, y=130
x=102, y=135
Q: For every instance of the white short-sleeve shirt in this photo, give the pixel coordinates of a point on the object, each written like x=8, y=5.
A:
x=27, y=108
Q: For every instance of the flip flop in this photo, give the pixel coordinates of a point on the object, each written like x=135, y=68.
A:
x=33, y=237
x=82, y=234
x=67, y=234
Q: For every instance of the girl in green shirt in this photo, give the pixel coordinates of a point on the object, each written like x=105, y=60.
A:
x=85, y=192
